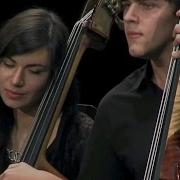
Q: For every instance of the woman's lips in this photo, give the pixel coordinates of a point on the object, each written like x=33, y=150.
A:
x=13, y=95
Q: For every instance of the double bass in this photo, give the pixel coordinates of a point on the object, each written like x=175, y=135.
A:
x=91, y=31
x=164, y=155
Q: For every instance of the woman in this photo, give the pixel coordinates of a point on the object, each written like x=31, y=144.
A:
x=31, y=49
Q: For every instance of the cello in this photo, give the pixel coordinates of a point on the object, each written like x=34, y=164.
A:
x=91, y=31
x=164, y=155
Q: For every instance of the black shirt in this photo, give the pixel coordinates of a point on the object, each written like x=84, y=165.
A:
x=119, y=144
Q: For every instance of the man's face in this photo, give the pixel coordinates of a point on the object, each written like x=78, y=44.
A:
x=148, y=26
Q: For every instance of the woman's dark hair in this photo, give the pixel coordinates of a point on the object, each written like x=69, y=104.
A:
x=31, y=30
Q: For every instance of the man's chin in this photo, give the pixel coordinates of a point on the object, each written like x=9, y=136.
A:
x=136, y=52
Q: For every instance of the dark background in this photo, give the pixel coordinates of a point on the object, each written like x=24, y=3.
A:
x=98, y=71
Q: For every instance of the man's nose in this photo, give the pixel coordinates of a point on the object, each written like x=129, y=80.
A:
x=130, y=14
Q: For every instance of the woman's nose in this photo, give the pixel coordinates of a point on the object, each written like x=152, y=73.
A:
x=18, y=77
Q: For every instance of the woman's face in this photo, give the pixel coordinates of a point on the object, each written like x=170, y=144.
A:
x=24, y=78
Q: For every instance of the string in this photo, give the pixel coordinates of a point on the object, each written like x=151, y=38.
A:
x=50, y=96
x=158, y=126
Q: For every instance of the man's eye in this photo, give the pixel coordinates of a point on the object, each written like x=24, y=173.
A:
x=147, y=5
x=125, y=5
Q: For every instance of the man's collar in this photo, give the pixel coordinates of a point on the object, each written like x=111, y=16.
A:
x=146, y=77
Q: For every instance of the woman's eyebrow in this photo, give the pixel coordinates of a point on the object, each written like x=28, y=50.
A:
x=30, y=65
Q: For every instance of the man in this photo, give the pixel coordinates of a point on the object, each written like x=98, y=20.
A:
x=120, y=141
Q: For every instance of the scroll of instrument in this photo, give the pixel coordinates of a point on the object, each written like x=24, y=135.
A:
x=164, y=156
x=91, y=31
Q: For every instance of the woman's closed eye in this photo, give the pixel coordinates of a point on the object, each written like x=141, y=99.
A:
x=8, y=63
x=37, y=70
